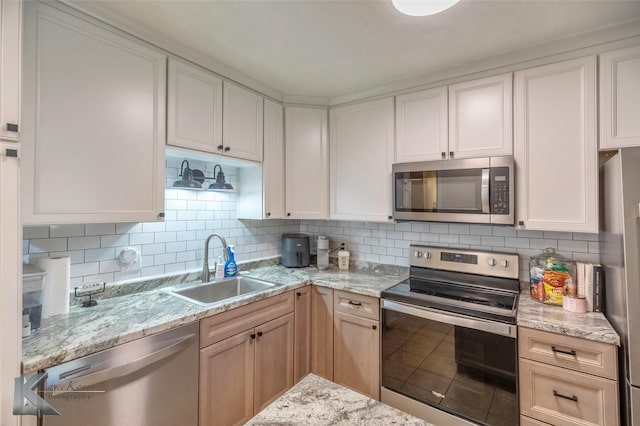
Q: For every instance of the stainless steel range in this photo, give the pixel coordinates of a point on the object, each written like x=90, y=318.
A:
x=449, y=337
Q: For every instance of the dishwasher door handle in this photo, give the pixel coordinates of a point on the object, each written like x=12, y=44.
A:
x=129, y=367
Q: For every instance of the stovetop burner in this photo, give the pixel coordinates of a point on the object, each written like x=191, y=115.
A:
x=462, y=281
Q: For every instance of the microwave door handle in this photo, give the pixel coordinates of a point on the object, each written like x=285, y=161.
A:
x=484, y=192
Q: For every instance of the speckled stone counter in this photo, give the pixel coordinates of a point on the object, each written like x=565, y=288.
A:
x=130, y=316
x=591, y=326
x=317, y=401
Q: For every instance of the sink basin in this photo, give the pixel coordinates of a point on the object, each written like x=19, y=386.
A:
x=219, y=290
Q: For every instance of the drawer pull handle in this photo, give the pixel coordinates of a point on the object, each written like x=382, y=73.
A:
x=352, y=303
x=559, y=395
x=571, y=352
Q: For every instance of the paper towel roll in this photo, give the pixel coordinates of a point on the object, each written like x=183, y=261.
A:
x=56, y=288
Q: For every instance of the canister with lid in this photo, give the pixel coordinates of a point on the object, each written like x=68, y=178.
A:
x=551, y=275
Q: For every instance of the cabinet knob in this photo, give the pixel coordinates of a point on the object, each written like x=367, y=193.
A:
x=12, y=127
x=268, y=214
x=374, y=327
x=220, y=147
x=227, y=149
x=288, y=214
x=253, y=336
x=389, y=217
x=161, y=214
x=444, y=155
x=298, y=294
x=521, y=222
x=259, y=333
x=450, y=154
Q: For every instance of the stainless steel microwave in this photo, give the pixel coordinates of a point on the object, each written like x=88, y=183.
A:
x=473, y=190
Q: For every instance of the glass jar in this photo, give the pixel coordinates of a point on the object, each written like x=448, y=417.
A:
x=552, y=276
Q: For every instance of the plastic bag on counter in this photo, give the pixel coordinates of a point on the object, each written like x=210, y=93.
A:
x=552, y=276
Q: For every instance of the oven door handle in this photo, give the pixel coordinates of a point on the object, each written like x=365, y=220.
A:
x=492, y=327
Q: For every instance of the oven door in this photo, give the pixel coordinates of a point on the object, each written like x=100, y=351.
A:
x=448, y=367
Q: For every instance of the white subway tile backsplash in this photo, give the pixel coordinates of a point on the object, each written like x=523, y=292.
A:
x=48, y=245
x=31, y=232
x=177, y=244
x=100, y=229
x=83, y=243
x=66, y=231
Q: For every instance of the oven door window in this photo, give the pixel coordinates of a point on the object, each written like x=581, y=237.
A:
x=466, y=372
x=444, y=191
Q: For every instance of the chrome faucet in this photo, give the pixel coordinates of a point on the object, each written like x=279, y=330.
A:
x=205, y=265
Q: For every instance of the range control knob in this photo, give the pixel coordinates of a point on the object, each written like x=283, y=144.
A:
x=504, y=263
x=427, y=255
x=491, y=262
x=418, y=254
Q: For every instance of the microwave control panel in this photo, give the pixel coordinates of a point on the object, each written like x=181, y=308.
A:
x=499, y=190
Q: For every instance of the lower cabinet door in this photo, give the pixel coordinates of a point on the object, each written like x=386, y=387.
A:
x=357, y=354
x=563, y=397
x=226, y=381
x=273, y=360
x=302, y=348
x=322, y=332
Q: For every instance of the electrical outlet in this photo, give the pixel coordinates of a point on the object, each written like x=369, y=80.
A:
x=336, y=245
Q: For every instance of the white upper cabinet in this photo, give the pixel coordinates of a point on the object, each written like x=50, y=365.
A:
x=556, y=147
x=273, y=165
x=620, y=98
x=94, y=123
x=361, y=152
x=242, y=122
x=261, y=189
x=194, y=108
x=307, y=163
x=480, y=117
x=421, y=126
x=10, y=50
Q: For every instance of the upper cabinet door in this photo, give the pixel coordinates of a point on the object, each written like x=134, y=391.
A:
x=242, y=122
x=194, y=108
x=480, y=115
x=273, y=165
x=307, y=163
x=94, y=123
x=556, y=146
x=421, y=126
x=361, y=150
x=10, y=49
x=620, y=98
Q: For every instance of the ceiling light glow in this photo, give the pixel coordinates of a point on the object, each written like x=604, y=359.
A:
x=422, y=7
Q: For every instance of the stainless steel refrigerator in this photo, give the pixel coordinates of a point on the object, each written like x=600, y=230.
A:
x=620, y=255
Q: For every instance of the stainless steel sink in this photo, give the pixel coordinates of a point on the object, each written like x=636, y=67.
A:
x=219, y=290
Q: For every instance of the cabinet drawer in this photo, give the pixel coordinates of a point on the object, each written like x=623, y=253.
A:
x=528, y=421
x=563, y=397
x=356, y=304
x=218, y=327
x=569, y=352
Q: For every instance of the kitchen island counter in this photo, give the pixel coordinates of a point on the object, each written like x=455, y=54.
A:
x=317, y=401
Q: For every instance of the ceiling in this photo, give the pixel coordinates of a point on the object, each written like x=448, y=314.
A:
x=329, y=48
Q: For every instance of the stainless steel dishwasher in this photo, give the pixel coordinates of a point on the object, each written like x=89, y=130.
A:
x=150, y=381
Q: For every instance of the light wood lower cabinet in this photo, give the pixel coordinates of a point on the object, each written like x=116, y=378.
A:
x=356, y=343
x=566, y=380
x=302, y=346
x=322, y=332
x=242, y=373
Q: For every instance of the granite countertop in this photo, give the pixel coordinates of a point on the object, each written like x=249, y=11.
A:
x=317, y=401
x=591, y=326
x=127, y=317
